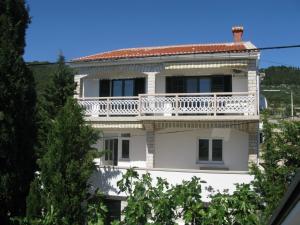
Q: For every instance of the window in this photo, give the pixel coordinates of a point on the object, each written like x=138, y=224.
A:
x=217, y=150
x=203, y=149
x=125, y=145
x=111, y=148
x=117, y=88
x=204, y=85
x=121, y=87
x=199, y=84
x=210, y=150
x=117, y=148
x=125, y=149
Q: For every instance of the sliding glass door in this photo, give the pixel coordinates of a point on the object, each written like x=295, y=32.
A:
x=122, y=87
x=199, y=84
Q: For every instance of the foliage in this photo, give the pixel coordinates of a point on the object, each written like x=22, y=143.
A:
x=241, y=207
x=188, y=199
x=34, y=201
x=42, y=73
x=96, y=211
x=162, y=204
x=280, y=159
x=285, y=79
x=17, y=111
x=67, y=165
x=53, y=98
x=138, y=210
x=51, y=101
x=278, y=75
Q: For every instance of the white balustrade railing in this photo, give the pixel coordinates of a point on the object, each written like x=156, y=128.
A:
x=228, y=103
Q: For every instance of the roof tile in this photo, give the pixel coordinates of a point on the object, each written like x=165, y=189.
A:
x=165, y=51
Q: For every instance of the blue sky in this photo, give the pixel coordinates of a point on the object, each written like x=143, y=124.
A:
x=80, y=28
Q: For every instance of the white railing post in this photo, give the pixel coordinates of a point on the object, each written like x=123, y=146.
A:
x=176, y=105
x=215, y=104
x=139, y=105
x=107, y=107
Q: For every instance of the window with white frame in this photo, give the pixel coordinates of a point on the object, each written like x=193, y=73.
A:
x=125, y=145
x=210, y=150
x=117, y=148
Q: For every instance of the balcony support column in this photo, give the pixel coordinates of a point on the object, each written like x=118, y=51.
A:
x=151, y=82
x=150, y=145
x=253, y=143
x=253, y=86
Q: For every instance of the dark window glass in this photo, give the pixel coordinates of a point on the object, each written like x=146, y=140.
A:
x=117, y=87
x=175, y=85
x=191, y=85
x=217, y=146
x=205, y=85
x=125, y=149
x=128, y=88
x=139, y=86
x=218, y=84
x=106, y=148
x=104, y=88
x=222, y=83
x=228, y=83
x=203, y=149
x=115, y=152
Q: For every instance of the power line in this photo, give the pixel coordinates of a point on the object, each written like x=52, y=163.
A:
x=216, y=52
x=278, y=63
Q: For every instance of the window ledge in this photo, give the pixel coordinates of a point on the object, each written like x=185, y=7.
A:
x=124, y=159
x=208, y=165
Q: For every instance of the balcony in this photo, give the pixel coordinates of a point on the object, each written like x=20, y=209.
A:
x=196, y=105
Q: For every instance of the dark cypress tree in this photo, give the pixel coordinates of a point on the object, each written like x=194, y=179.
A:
x=17, y=111
x=60, y=88
x=67, y=165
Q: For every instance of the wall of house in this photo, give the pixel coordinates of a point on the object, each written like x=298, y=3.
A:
x=160, y=83
x=90, y=88
x=91, y=85
x=179, y=148
x=239, y=83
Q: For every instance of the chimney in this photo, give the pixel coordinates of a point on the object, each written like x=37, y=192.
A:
x=237, y=32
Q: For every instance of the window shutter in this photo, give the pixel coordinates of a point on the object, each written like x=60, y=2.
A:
x=139, y=86
x=104, y=88
x=217, y=84
x=228, y=83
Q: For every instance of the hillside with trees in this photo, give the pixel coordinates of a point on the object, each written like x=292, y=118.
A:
x=285, y=79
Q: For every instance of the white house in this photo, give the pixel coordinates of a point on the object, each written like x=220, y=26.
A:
x=173, y=111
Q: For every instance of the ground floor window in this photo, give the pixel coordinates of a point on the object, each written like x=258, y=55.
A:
x=210, y=150
x=117, y=148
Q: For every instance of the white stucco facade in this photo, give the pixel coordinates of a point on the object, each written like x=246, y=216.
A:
x=163, y=129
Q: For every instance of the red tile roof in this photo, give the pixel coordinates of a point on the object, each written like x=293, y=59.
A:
x=165, y=51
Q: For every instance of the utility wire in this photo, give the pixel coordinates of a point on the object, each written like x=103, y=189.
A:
x=228, y=51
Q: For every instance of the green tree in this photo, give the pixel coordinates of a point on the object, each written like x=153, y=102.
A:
x=280, y=159
x=239, y=208
x=160, y=204
x=17, y=111
x=61, y=87
x=67, y=165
